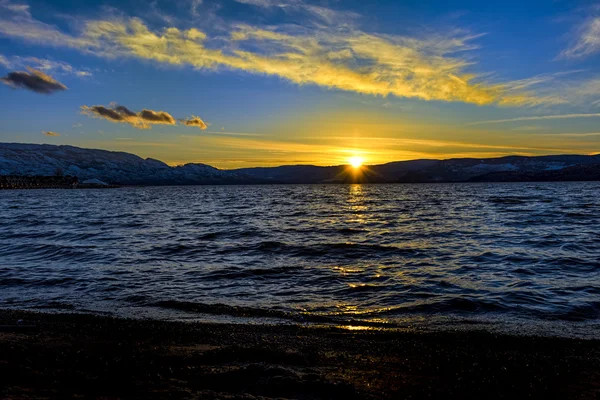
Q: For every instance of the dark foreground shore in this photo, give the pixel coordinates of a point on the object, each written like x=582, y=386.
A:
x=84, y=356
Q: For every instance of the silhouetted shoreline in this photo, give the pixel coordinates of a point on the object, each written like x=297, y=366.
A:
x=69, y=355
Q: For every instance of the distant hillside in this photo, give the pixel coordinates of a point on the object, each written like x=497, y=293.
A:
x=511, y=168
x=129, y=169
x=585, y=172
x=108, y=166
x=491, y=169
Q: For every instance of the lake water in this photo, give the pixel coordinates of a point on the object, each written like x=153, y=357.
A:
x=516, y=256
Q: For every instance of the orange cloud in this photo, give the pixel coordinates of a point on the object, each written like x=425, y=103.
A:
x=194, y=121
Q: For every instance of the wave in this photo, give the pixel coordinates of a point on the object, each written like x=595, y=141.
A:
x=52, y=252
x=243, y=311
x=346, y=249
x=378, y=316
x=233, y=273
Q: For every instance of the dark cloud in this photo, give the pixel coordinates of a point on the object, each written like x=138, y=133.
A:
x=124, y=110
x=121, y=114
x=50, y=133
x=33, y=80
x=105, y=112
x=157, y=117
x=194, y=121
x=115, y=113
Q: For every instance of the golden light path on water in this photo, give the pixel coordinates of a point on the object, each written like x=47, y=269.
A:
x=357, y=212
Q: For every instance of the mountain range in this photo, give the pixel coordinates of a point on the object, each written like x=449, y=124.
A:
x=129, y=169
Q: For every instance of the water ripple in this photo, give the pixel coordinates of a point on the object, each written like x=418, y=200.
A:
x=374, y=254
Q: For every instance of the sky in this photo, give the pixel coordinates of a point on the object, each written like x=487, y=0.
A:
x=242, y=83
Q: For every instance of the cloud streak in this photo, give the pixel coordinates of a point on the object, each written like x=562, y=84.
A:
x=34, y=80
x=41, y=64
x=384, y=142
x=4, y=62
x=322, y=14
x=342, y=58
x=349, y=61
x=50, y=133
x=536, y=118
x=587, y=42
x=16, y=21
x=336, y=150
x=48, y=66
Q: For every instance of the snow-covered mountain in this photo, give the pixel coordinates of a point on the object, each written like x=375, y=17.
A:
x=129, y=169
x=108, y=166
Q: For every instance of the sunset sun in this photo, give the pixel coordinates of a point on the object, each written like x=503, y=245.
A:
x=356, y=161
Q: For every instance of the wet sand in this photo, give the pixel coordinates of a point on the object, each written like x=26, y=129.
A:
x=63, y=356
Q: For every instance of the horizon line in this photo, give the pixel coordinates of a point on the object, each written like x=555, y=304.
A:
x=311, y=165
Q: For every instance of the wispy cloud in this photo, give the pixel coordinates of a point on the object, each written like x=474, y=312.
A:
x=16, y=21
x=528, y=128
x=324, y=14
x=587, y=40
x=588, y=91
x=50, y=133
x=48, y=66
x=572, y=135
x=194, y=7
x=343, y=58
x=4, y=62
x=334, y=150
x=387, y=142
x=225, y=133
x=536, y=118
x=34, y=80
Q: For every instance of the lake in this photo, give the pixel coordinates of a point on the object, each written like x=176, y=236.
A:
x=516, y=256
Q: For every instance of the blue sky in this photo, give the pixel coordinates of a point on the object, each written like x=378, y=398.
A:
x=267, y=82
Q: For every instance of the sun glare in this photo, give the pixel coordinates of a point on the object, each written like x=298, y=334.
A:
x=356, y=161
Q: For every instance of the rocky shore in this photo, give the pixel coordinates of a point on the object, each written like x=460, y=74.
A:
x=61, y=356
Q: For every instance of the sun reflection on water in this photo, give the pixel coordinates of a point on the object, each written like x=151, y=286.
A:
x=357, y=327
x=357, y=206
